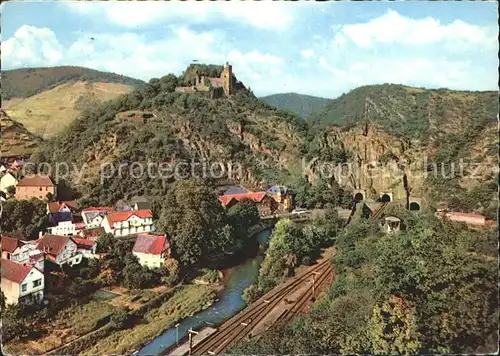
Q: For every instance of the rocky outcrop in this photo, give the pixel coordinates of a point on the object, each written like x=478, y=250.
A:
x=379, y=162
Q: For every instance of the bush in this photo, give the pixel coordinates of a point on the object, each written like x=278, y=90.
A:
x=251, y=293
x=120, y=319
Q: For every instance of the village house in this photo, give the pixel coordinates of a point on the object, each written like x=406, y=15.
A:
x=62, y=211
x=151, y=250
x=93, y=217
x=129, y=222
x=283, y=196
x=66, y=228
x=59, y=250
x=264, y=202
x=35, y=186
x=86, y=247
x=67, y=206
x=92, y=234
x=7, y=180
x=21, y=251
x=468, y=218
x=21, y=283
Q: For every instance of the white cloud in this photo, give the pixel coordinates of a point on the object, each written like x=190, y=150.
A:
x=31, y=46
x=134, y=55
x=262, y=14
x=307, y=53
x=393, y=28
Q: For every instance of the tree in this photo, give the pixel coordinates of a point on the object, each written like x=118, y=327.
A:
x=242, y=216
x=120, y=319
x=136, y=277
x=393, y=328
x=193, y=216
x=49, y=197
x=24, y=217
x=105, y=242
x=11, y=190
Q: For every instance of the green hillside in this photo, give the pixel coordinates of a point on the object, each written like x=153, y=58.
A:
x=25, y=82
x=415, y=113
x=157, y=124
x=299, y=104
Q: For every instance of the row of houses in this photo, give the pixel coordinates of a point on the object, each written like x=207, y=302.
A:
x=24, y=263
x=68, y=219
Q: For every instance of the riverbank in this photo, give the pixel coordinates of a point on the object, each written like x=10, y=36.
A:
x=185, y=302
x=235, y=280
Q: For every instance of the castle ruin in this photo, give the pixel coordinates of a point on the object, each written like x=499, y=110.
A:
x=217, y=87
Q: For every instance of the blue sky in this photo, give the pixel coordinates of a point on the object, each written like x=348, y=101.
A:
x=315, y=48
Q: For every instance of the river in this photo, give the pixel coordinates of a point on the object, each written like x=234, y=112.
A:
x=229, y=304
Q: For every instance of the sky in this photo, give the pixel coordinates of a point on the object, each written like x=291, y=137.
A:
x=316, y=48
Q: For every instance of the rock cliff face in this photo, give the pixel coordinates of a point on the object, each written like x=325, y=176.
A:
x=379, y=162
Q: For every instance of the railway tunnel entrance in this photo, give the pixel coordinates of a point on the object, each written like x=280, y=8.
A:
x=385, y=198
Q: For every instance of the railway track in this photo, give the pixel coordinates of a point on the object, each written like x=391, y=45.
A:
x=239, y=326
x=380, y=210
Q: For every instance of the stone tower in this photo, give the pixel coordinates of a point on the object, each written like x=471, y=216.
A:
x=227, y=79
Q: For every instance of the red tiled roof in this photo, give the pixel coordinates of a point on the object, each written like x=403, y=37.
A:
x=14, y=271
x=79, y=225
x=36, y=180
x=84, y=243
x=257, y=197
x=9, y=244
x=151, y=244
x=125, y=215
x=52, y=244
x=98, y=208
x=465, y=215
x=98, y=231
x=55, y=206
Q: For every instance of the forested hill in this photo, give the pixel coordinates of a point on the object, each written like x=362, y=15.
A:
x=157, y=124
x=414, y=113
x=25, y=82
x=299, y=104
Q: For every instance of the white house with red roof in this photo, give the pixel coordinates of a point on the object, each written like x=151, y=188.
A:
x=21, y=283
x=129, y=222
x=85, y=246
x=94, y=216
x=151, y=250
x=21, y=251
x=60, y=250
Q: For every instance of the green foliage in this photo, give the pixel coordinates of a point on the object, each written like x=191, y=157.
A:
x=193, y=216
x=24, y=217
x=431, y=288
x=27, y=82
x=105, y=242
x=404, y=111
x=210, y=276
x=120, y=319
x=321, y=194
x=298, y=104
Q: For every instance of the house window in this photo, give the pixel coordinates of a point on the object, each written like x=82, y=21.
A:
x=40, y=188
x=24, y=287
x=37, y=283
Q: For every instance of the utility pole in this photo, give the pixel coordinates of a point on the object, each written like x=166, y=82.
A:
x=177, y=329
x=191, y=332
